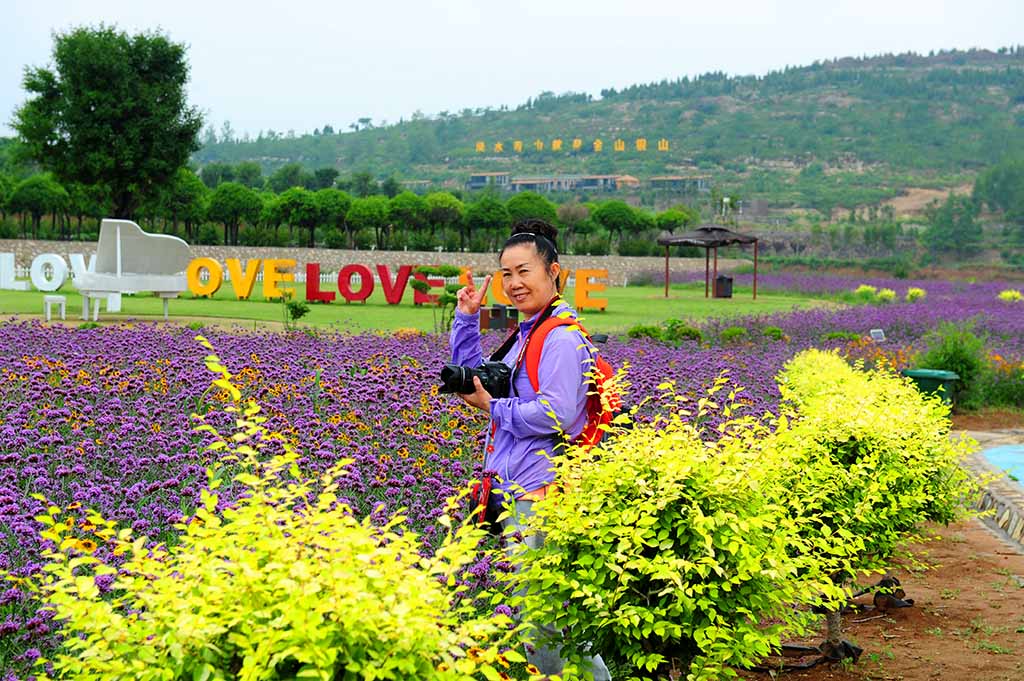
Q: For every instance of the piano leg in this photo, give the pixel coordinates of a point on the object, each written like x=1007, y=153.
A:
x=95, y=309
x=166, y=300
x=85, y=307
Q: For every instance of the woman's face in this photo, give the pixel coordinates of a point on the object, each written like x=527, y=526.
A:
x=527, y=281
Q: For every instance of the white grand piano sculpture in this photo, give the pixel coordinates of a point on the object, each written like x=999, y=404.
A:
x=130, y=260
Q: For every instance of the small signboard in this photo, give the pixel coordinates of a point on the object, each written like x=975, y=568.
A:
x=877, y=335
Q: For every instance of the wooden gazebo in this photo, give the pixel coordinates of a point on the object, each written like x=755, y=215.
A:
x=709, y=237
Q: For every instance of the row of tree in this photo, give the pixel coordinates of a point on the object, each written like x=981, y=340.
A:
x=328, y=216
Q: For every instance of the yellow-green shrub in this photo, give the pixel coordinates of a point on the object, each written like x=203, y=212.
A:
x=1010, y=295
x=915, y=293
x=868, y=455
x=668, y=550
x=885, y=295
x=283, y=583
x=664, y=551
x=865, y=292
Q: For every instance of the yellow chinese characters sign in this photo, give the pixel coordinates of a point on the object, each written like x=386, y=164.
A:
x=638, y=144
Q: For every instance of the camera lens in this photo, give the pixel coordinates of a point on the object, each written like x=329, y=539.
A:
x=453, y=377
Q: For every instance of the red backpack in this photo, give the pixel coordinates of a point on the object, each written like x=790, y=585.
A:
x=604, y=400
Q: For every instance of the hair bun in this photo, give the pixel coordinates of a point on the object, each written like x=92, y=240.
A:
x=538, y=227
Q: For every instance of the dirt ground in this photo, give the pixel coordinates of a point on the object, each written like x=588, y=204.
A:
x=967, y=621
x=916, y=199
x=989, y=419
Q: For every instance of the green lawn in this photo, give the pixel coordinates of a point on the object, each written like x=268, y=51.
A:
x=627, y=306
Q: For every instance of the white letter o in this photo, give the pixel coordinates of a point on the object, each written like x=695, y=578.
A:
x=58, y=272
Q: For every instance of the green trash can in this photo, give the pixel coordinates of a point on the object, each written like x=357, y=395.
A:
x=933, y=381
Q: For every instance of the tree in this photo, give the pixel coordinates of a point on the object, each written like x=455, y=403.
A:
x=334, y=205
x=443, y=211
x=1001, y=187
x=214, y=173
x=232, y=204
x=364, y=185
x=952, y=228
x=250, y=174
x=390, y=187
x=324, y=177
x=112, y=113
x=530, y=205
x=273, y=212
x=6, y=189
x=288, y=176
x=615, y=216
x=571, y=215
x=185, y=200
x=487, y=213
x=369, y=213
x=86, y=202
x=679, y=217
x=37, y=195
x=408, y=211
x=302, y=210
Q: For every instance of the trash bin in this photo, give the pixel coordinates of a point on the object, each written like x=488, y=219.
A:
x=723, y=286
x=933, y=381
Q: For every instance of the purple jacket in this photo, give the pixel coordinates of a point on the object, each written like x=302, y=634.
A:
x=525, y=432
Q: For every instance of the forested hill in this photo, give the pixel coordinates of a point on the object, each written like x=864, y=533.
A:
x=946, y=113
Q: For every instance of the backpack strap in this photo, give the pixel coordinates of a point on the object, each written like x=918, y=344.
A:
x=536, y=345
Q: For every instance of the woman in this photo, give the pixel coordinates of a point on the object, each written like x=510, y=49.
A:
x=527, y=426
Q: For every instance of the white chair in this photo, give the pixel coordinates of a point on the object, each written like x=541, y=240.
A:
x=60, y=301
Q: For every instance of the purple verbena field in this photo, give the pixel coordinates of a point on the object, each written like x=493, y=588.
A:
x=102, y=417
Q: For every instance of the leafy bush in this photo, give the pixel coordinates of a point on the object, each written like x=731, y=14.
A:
x=207, y=235
x=595, y=245
x=421, y=241
x=774, y=332
x=364, y=240
x=636, y=247
x=842, y=335
x=283, y=583
x=733, y=334
x=297, y=309
x=662, y=553
x=961, y=351
x=914, y=294
x=677, y=331
x=646, y=331
x=667, y=549
x=335, y=238
x=892, y=467
x=1003, y=384
x=253, y=236
x=865, y=293
x=885, y=295
x=1011, y=296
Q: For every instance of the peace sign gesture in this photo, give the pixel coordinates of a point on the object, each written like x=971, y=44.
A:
x=469, y=298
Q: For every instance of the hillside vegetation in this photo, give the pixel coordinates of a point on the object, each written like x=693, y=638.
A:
x=869, y=125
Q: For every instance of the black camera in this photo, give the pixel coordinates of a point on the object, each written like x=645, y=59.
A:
x=496, y=377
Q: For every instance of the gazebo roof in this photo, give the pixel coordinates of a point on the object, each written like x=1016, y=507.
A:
x=707, y=236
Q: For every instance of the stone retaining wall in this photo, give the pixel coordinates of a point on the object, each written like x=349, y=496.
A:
x=1002, y=501
x=621, y=269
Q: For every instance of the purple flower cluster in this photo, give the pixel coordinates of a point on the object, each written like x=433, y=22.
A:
x=102, y=418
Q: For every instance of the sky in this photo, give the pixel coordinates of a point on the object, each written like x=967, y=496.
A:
x=301, y=64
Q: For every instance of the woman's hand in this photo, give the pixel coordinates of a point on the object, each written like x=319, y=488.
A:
x=468, y=299
x=481, y=399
